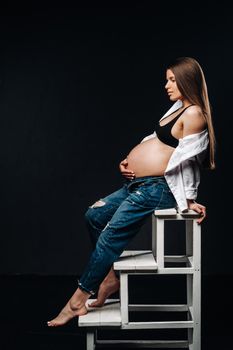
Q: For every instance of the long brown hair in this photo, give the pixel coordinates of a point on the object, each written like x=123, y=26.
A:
x=191, y=83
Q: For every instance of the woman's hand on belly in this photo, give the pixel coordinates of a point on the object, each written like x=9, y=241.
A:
x=127, y=173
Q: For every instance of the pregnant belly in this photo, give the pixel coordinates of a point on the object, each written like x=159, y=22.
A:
x=149, y=158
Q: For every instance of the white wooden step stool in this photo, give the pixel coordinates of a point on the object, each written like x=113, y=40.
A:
x=115, y=313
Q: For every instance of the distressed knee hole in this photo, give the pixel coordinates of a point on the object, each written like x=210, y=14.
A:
x=98, y=204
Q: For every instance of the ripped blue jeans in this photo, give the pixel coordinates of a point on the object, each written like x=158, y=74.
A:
x=114, y=220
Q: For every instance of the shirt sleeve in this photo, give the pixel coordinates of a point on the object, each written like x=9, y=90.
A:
x=191, y=177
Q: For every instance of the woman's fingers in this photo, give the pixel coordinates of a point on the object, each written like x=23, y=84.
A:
x=128, y=174
x=200, y=209
x=203, y=215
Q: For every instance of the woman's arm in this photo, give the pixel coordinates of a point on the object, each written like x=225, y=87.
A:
x=193, y=122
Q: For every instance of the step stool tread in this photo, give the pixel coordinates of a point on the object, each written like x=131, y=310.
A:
x=107, y=315
x=172, y=212
x=134, y=260
x=165, y=212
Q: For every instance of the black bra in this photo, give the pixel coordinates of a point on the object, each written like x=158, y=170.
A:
x=164, y=131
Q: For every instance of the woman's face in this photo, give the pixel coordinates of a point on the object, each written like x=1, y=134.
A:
x=171, y=87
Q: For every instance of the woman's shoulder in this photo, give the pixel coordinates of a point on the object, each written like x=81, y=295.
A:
x=194, y=115
x=193, y=119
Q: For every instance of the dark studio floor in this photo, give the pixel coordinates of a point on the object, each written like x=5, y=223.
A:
x=29, y=301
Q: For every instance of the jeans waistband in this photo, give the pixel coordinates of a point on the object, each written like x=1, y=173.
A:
x=139, y=180
x=144, y=178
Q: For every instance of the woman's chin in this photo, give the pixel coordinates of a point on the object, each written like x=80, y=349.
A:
x=172, y=98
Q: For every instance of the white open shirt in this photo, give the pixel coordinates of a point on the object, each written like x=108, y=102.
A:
x=182, y=173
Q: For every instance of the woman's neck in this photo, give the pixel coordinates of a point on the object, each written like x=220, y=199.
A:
x=186, y=103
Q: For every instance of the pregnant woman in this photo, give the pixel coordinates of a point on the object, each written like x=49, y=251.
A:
x=163, y=171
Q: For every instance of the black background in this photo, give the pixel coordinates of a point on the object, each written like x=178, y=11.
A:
x=80, y=86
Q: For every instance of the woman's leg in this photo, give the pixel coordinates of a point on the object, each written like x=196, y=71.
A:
x=100, y=213
x=96, y=217
x=144, y=197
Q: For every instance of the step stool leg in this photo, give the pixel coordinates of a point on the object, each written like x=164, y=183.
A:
x=189, y=284
x=124, y=298
x=189, y=237
x=154, y=235
x=197, y=286
x=160, y=243
x=189, y=278
x=90, y=342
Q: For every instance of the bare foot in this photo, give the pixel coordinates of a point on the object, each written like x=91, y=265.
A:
x=75, y=307
x=66, y=315
x=105, y=290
